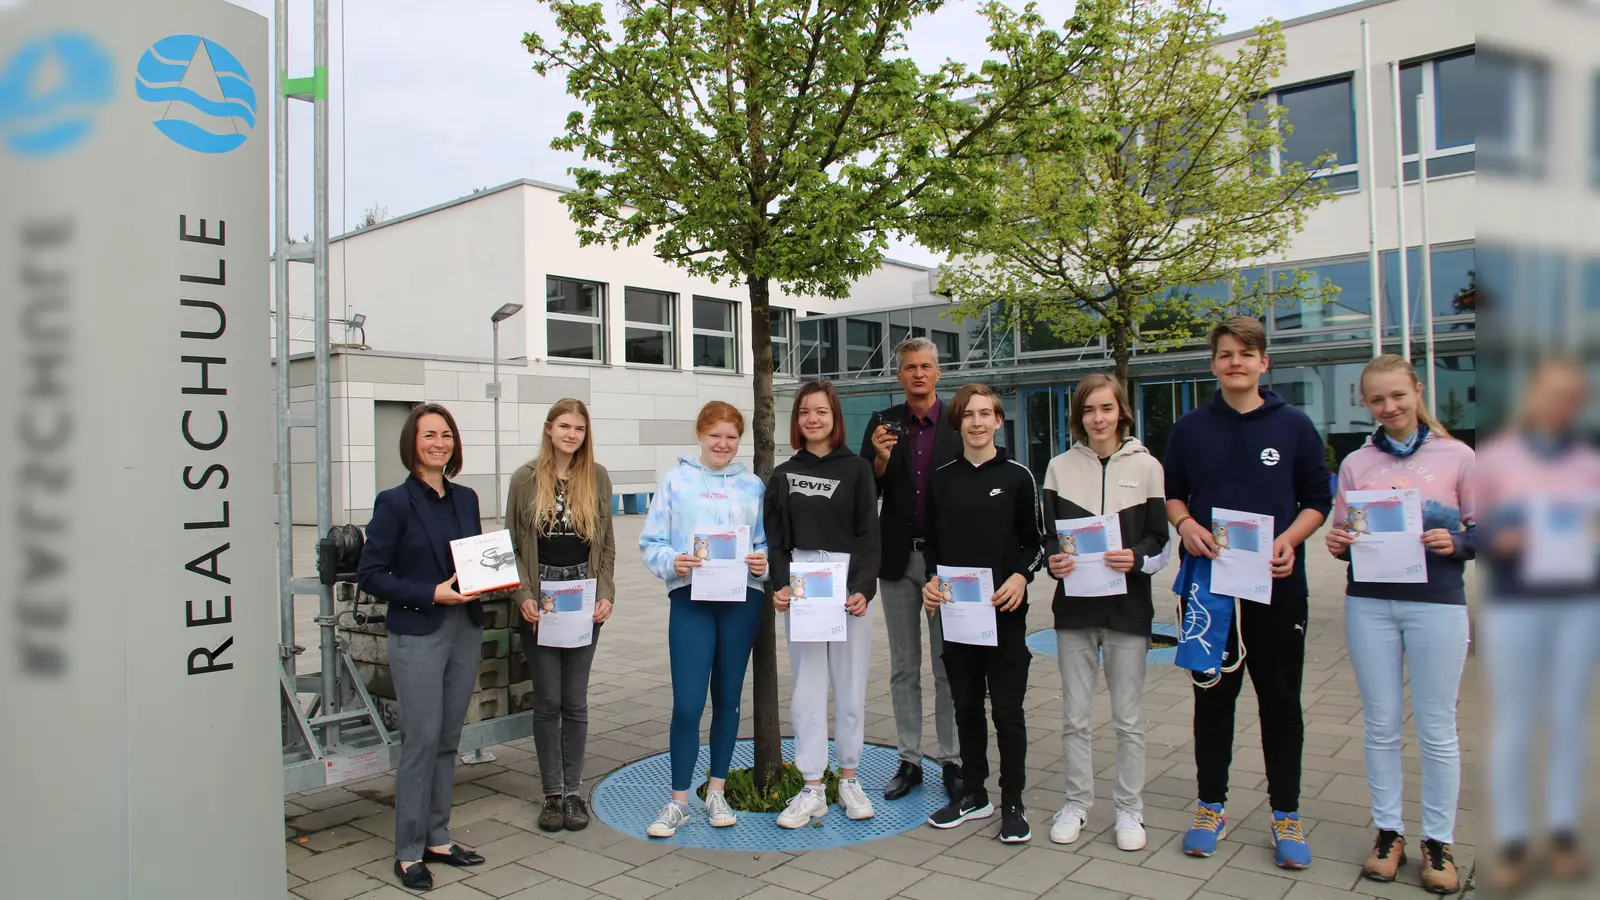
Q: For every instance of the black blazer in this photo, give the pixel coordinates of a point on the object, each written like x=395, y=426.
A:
x=403, y=560
x=896, y=489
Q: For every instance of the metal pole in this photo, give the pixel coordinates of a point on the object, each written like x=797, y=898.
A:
x=1375, y=283
x=1424, y=141
x=1400, y=215
x=499, y=498
x=280, y=301
x=331, y=701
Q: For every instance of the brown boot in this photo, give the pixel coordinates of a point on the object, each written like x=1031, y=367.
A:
x=1563, y=861
x=1508, y=873
x=1439, y=874
x=1388, y=855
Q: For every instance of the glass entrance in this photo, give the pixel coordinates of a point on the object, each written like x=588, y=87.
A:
x=1044, y=426
x=1161, y=403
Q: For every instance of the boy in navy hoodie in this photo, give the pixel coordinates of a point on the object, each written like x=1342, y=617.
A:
x=1250, y=451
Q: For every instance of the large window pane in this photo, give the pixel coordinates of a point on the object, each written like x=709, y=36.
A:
x=1453, y=281
x=1322, y=120
x=648, y=307
x=818, y=346
x=1350, y=311
x=949, y=344
x=863, y=346
x=571, y=297
x=648, y=347
x=713, y=315
x=713, y=352
x=1331, y=396
x=573, y=340
x=1512, y=97
x=1455, y=394
x=781, y=321
x=1455, y=100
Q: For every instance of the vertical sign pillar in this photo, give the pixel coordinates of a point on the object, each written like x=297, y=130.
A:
x=141, y=752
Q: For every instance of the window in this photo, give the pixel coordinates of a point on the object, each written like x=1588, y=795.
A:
x=1449, y=80
x=1453, y=284
x=819, y=353
x=782, y=344
x=575, y=319
x=949, y=344
x=648, y=337
x=1511, y=98
x=1322, y=120
x=1184, y=313
x=1347, y=315
x=715, y=345
x=863, y=346
x=898, y=333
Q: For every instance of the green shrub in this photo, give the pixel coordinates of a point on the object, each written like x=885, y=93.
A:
x=743, y=796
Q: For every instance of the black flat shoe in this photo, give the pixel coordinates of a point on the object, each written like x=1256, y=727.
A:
x=576, y=812
x=952, y=780
x=909, y=776
x=458, y=856
x=416, y=878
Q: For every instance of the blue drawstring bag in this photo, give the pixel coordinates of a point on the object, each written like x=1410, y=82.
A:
x=1205, y=620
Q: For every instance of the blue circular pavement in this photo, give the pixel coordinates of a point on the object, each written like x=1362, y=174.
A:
x=1043, y=642
x=630, y=798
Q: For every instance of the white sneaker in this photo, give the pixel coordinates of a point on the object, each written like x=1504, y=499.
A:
x=1068, y=824
x=718, y=813
x=1130, y=830
x=804, y=807
x=667, y=824
x=854, y=799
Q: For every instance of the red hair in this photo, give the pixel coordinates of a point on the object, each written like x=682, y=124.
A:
x=718, y=411
x=825, y=388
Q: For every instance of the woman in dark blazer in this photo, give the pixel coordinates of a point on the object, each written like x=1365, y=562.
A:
x=435, y=634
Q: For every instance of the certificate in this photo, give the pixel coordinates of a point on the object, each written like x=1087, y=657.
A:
x=485, y=562
x=1561, y=541
x=1243, y=567
x=817, y=591
x=1388, y=529
x=1086, y=541
x=968, y=607
x=566, y=613
x=723, y=573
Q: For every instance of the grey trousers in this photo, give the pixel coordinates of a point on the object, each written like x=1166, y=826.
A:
x=434, y=675
x=1079, y=652
x=560, y=711
x=903, y=615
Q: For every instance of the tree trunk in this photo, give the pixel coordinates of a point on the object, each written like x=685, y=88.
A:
x=764, y=655
x=1119, y=340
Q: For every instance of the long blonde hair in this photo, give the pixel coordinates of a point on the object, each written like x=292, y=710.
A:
x=583, y=502
x=1393, y=362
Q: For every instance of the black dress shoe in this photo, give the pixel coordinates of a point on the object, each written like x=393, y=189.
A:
x=909, y=776
x=952, y=780
x=416, y=878
x=458, y=856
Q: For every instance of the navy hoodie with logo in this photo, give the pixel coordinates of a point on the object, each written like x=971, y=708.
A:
x=824, y=503
x=1268, y=461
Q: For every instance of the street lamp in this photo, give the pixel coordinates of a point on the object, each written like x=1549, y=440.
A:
x=505, y=312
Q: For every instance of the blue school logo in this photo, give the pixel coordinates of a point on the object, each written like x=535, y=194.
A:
x=1196, y=620
x=204, y=96
x=50, y=92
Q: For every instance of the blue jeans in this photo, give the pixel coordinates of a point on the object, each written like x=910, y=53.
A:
x=1386, y=639
x=709, y=646
x=1540, y=658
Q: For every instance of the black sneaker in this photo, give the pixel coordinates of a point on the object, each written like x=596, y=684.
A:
x=576, y=812
x=972, y=806
x=552, y=818
x=1014, y=824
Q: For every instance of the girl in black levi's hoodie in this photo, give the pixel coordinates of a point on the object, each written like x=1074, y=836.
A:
x=820, y=505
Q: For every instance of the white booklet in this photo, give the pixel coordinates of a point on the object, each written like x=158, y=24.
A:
x=1388, y=529
x=817, y=592
x=723, y=573
x=967, y=610
x=566, y=613
x=1086, y=540
x=485, y=562
x=1243, y=567
x=1561, y=539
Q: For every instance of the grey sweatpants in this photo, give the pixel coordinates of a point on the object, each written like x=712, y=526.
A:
x=1079, y=652
x=903, y=615
x=433, y=675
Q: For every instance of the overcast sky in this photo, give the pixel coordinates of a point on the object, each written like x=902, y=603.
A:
x=430, y=101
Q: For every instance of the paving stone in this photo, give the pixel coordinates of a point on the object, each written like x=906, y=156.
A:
x=671, y=871
x=905, y=849
x=834, y=863
x=1137, y=881
x=774, y=892
x=1305, y=890
x=961, y=868
x=456, y=891
x=877, y=880
x=579, y=866
x=554, y=889
x=795, y=879
x=1034, y=870
x=637, y=853
x=518, y=845
x=940, y=886
x=343, y=886
x=1259, y=859
x=744, y=862
x=1246, y=885
x=325, y=798
x=626, y=887
x=332, y=816
x=982, y=847
x=1072, y=890
x=1169, y=857
x=507, y=879
x=335, y=861
x=332, y=839
x=714, y=885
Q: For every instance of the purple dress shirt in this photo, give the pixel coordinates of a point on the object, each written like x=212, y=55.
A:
x=921, y=430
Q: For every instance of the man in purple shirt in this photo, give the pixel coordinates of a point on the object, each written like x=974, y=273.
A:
x=905, y=444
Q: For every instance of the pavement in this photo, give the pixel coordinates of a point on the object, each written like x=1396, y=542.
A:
x=339, y=839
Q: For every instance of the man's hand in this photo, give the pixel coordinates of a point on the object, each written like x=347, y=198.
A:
x=1197, y=539
x=1060, y=565
x=1338, y=540
x=856, y=604
x=780, y=599
x=932, y=596
x=1282, y=557
x=1011, y=594
x=883, y=441
x=1120, y=560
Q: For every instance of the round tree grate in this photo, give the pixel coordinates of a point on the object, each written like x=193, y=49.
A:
x=1163, y=644
x=630, y=798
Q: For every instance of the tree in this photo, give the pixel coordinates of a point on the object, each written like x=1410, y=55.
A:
x=781, y=141
x=372, y=215
x=1129, y=239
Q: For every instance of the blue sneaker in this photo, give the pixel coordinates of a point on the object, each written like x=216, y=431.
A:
x=1291, y=851
x=1209, y=827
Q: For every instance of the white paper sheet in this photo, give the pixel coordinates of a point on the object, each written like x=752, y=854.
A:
x=1086, y=540
x=723, y=573
x=1243, y=567
x=1560, y=542
x=485, y=562
x=1388, y=530
x=817, y=593
x=968, y=609
x=566, y=613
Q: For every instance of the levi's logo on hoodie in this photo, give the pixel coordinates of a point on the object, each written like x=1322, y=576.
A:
x=811, y=486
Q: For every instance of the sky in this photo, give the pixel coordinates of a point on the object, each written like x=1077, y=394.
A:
x=429, y=103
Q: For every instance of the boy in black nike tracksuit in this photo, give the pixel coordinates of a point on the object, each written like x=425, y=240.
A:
x=983, y=511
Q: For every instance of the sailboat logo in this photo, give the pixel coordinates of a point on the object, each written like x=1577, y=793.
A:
x=205, y=97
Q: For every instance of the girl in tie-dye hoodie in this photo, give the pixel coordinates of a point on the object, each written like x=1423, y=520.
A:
x=1420, y=626
x=708, y=641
